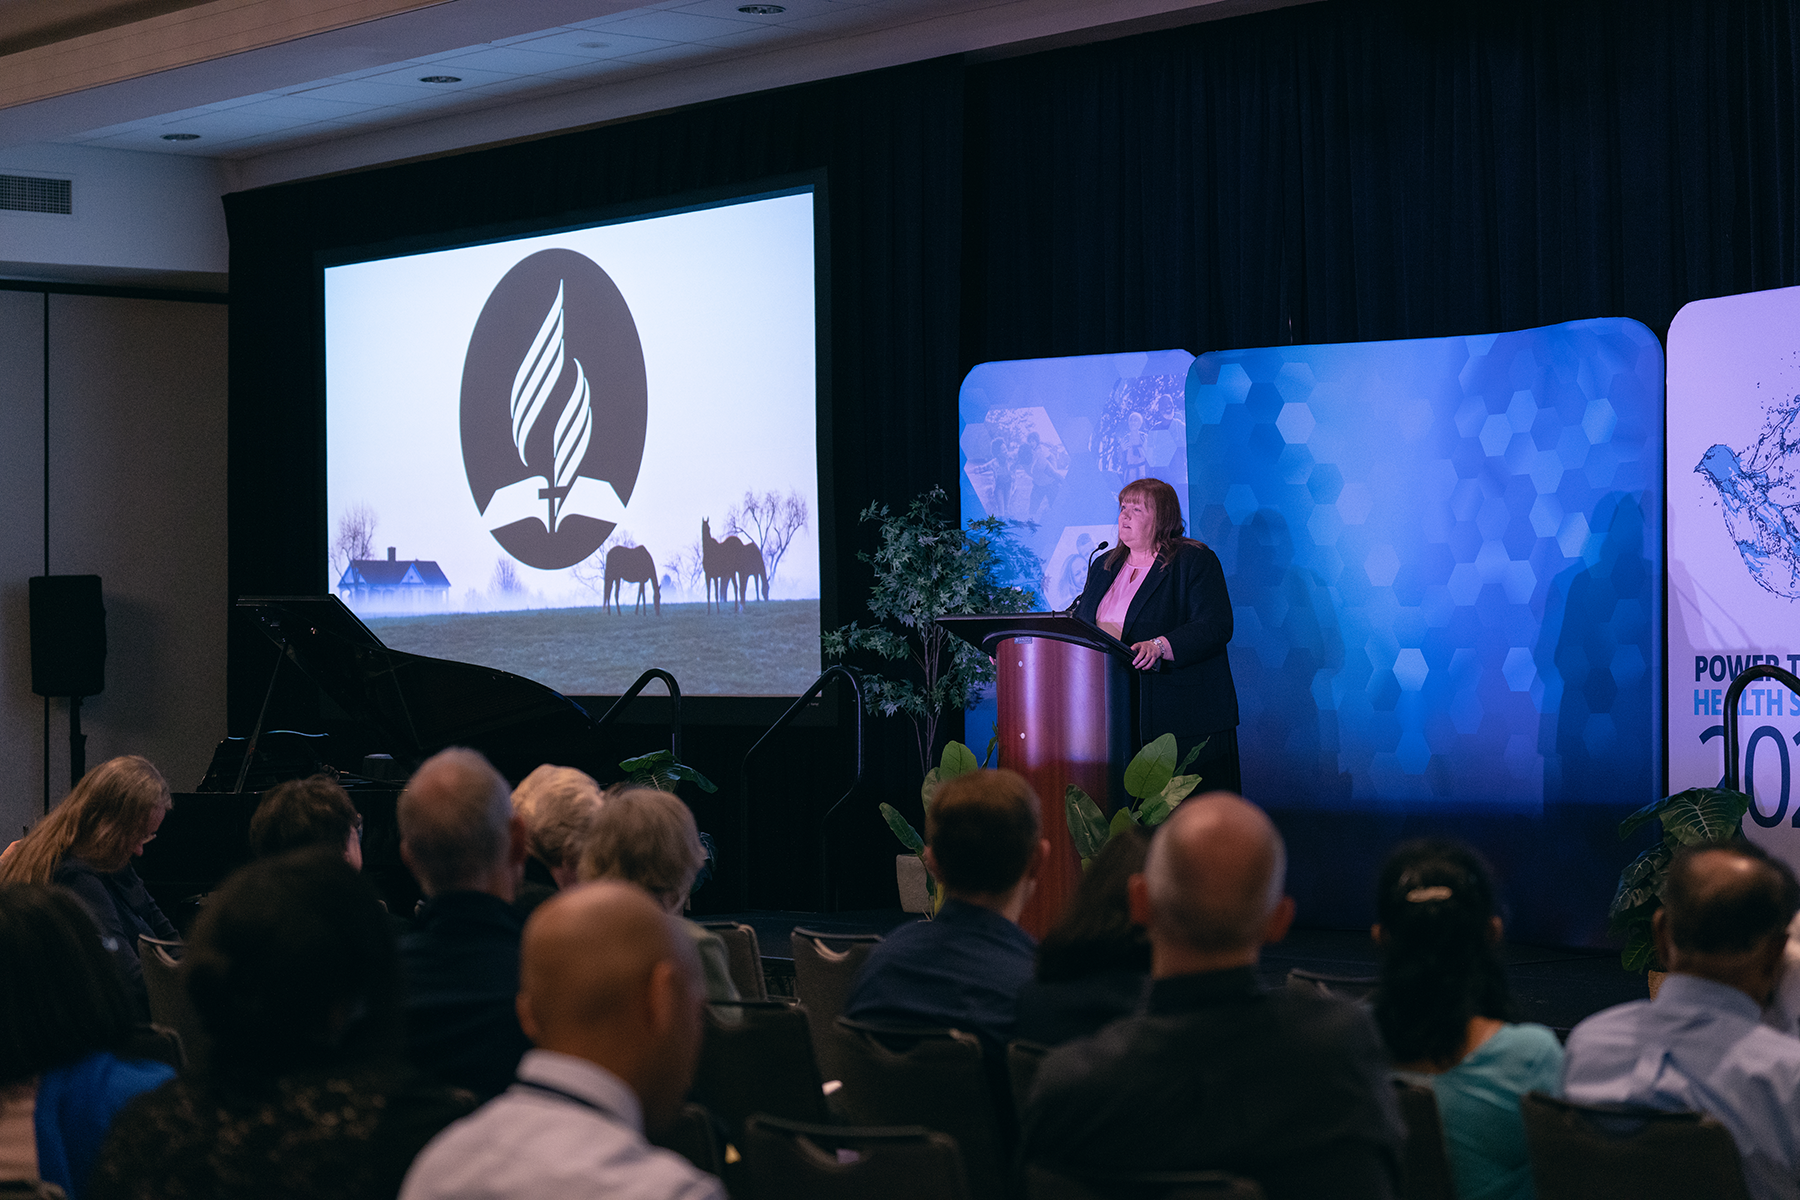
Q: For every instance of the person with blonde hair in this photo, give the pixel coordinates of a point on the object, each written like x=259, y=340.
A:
x=86, y=844
x=648, y=837
x=557, y=805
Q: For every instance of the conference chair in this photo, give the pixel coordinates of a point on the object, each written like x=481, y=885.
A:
x=825, y=965
x=1344, y=987
x=169, y=1003
x=789, y=1160
x=757, y=1058
x=1043, y=1183
x=1022, y=1062
x=1427, y=1165
x=1589, y=1152
x=695, y=1137
x=938, y=1078
x=745, y=955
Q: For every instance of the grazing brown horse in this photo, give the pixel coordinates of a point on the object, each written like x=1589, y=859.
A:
x=750, y=566
x=631, y=564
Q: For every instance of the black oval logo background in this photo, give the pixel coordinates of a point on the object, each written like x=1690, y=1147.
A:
x=598, y=329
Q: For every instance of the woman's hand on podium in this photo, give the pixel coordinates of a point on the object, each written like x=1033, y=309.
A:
x=1144, y=655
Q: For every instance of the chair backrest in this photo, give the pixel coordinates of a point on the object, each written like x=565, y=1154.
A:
x=1022, y=1062
x=1427, y=1165
x=1044, y=1183
x=937, y=1078
x=30, y=1189
x=1344, y=987
x=795, y=1161
x=825, y=965
x=745, y=955
x=757, y=1058
x=694, y=1136
x=169, y=1003
x=1597, y=1153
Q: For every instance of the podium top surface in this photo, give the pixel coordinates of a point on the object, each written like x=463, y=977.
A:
x=988, y=630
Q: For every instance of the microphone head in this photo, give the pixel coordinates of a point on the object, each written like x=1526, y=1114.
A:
x=1102, y=545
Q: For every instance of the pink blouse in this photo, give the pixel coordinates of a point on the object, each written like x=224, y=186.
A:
x=1117, y=601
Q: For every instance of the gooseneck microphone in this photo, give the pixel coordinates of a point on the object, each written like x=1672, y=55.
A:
x=1070, y=611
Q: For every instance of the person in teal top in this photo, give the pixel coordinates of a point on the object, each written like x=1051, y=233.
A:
x=1442, y=1009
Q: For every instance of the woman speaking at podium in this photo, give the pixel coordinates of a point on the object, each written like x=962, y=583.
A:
x=1164, y=595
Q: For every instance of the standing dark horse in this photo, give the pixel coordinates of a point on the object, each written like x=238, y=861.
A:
x=750, y=566
x=631, y=564
x=716, y=563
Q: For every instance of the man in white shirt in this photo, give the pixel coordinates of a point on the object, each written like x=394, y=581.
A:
x=1700, y=1045
x=610, y=993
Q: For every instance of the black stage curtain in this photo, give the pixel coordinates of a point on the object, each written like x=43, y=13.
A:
x=890, y=145
x=1340, y=171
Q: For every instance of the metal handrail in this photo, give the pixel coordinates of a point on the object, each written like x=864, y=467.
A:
x=818, y=686
x=1786, y=678
x=631, y=694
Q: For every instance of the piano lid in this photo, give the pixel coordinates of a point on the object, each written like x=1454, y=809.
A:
x=420, y=705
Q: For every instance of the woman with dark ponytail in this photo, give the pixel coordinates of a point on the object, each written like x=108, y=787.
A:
x=1442, y=1009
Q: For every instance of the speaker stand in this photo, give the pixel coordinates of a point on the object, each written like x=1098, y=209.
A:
x=77, y=743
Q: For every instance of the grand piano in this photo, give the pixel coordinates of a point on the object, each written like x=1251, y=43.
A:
x=409, y=705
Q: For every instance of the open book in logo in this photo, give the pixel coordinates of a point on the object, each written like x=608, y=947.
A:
x=553, y=409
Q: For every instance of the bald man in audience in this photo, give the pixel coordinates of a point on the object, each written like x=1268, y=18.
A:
x=460, y=962
x=1218, y=1074
x=618, y=1035
x=1700, y=1045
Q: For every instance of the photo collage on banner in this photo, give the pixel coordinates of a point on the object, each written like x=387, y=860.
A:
x=1443, y=558
x=1734, y=547
x=1046, y=445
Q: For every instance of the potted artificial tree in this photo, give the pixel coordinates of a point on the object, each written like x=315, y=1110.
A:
x=1702, y=814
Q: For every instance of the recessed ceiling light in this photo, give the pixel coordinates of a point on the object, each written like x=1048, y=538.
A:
x=761, y=10
x=181, y=137
x=591, y=45
x=440, y=79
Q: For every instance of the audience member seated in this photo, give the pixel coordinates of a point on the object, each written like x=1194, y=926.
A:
x=86, y=844
x=964, y=969
x=293, y=974
x=66, y=1029
x=307, y=812
x=460, y=962
x=1442, y=1009
x=1291, y=1090
x=1700, y=1045
x=557, y=805
x=1094, y=966
x=618, y=1036
x=648, y=837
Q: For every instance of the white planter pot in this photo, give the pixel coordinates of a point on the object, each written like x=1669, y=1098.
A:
x=909, y=871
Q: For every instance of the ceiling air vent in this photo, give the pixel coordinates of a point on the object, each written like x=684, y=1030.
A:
x=30, y=193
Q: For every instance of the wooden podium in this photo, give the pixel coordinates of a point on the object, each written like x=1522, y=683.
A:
x=1063, y=690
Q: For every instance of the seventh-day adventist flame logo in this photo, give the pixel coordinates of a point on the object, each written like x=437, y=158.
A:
x=553, y=409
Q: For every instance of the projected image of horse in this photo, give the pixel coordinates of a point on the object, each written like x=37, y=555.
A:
x=728, y=563
x=631, y=564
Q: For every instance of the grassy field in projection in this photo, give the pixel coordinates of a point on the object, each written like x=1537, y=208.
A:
x=769, y=649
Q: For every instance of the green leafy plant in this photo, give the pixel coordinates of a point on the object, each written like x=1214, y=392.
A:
x=958, y=759
x=660, y=770
x=1155, y=784
x=926, y=567
x=1702, y=814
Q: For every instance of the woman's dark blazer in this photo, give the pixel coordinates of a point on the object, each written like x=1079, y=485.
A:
x=1186, y=603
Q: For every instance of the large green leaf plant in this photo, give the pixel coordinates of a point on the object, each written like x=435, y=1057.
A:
x=958, y=759
x=1701, y=814
x=927, y=566
x=1155, y=784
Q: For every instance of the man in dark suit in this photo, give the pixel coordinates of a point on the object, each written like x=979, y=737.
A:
x=1288, y=1089
x=461, y=839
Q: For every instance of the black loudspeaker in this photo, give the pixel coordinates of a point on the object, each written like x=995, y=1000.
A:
x=68, y=636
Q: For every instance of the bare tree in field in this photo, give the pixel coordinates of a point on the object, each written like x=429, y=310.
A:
x=771, y=521
x=506, y=581
x=355, y=539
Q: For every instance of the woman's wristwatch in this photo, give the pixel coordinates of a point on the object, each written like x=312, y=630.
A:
x=1162, y=649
